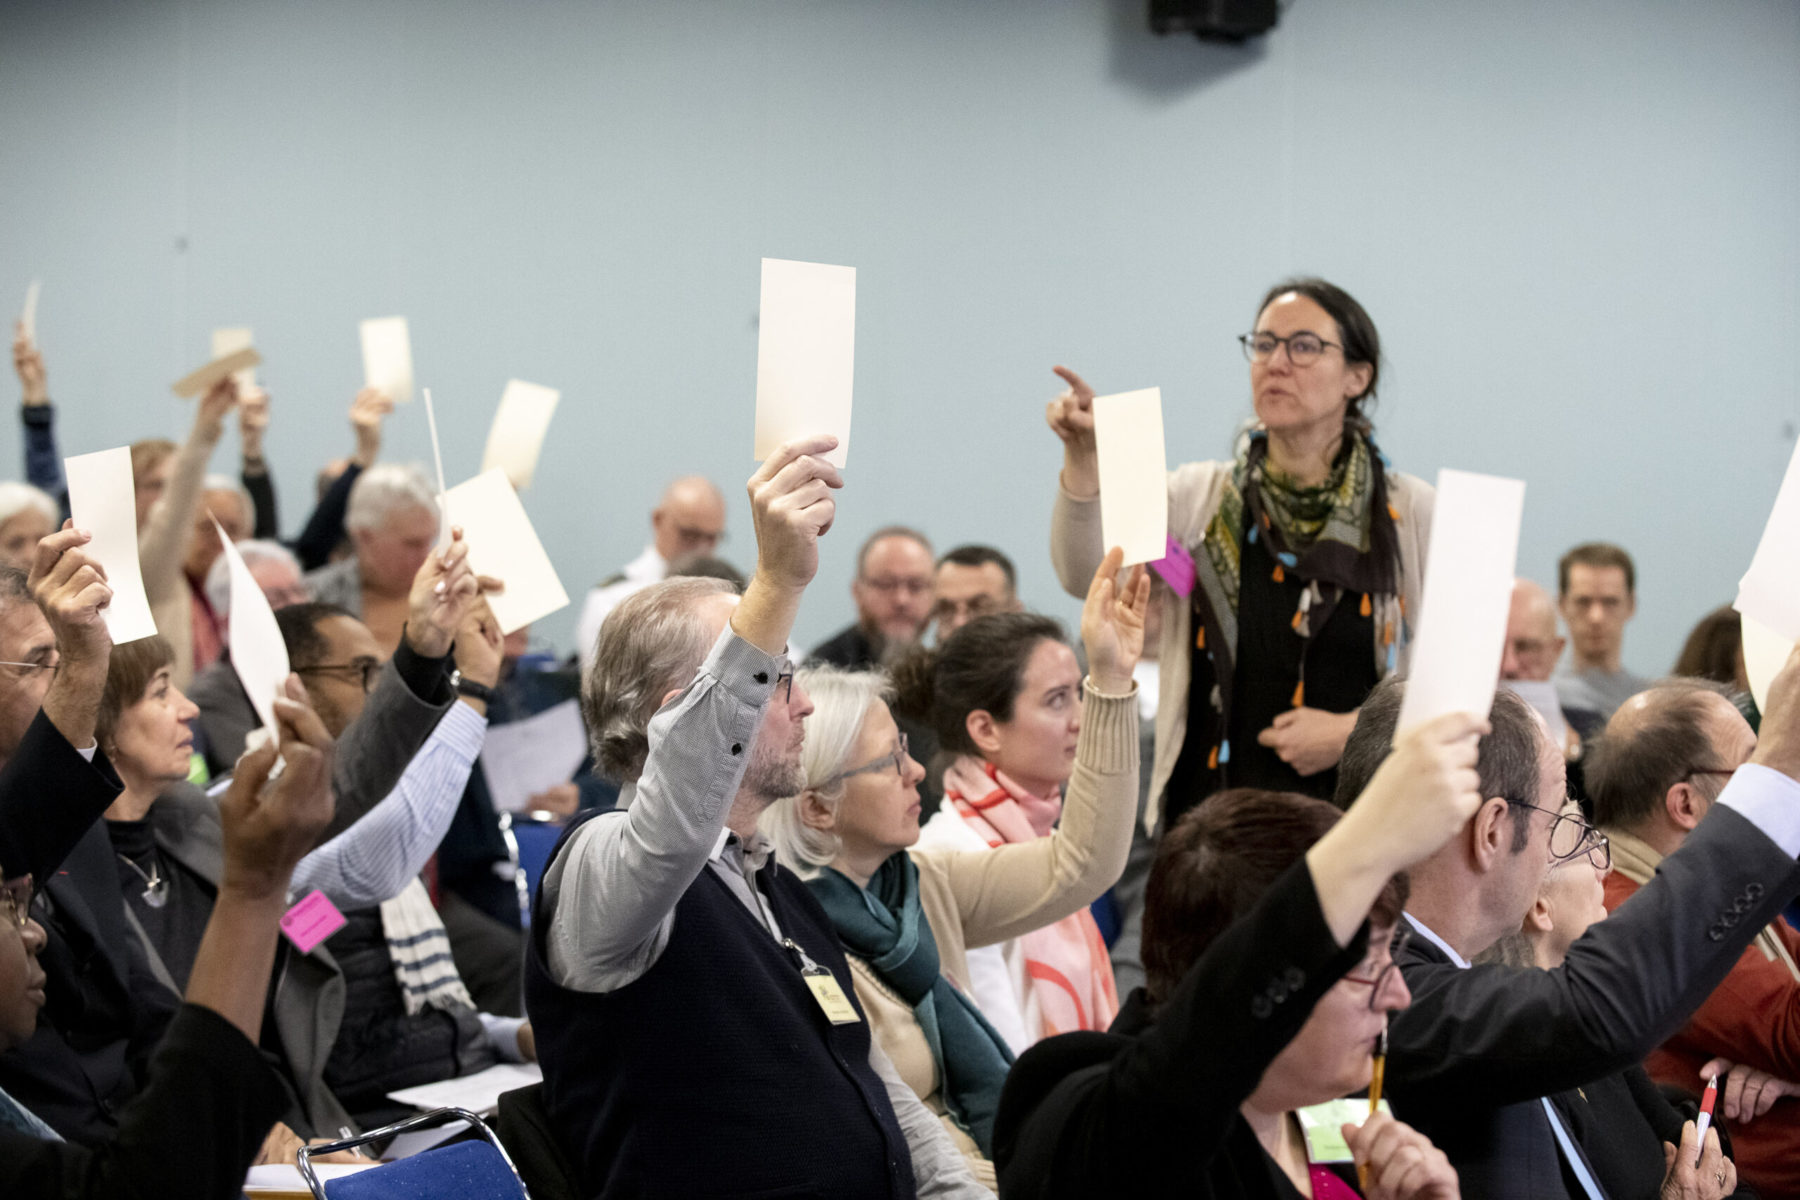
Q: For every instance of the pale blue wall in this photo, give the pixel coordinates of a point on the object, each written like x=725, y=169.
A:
x=1574, y=222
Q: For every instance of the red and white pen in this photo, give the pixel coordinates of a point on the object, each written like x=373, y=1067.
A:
x=1706, y=1111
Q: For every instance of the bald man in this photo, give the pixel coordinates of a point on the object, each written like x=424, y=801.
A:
x=688, y=520
x=1527, y=664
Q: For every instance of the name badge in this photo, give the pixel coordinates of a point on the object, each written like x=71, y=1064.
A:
x=832, y=1001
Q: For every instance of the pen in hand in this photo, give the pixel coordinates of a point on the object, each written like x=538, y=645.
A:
x=1706, y=1113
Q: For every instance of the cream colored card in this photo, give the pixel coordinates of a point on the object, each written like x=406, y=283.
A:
x=503, y=544
x=1765, y=652
x=1461, y=632
x=203, y=380
x=387, y=357
x=1134, y=474
x=230, y=341
x=258, y=651
x=28, y=315
x=103, y=501
x=520, y=424
x=1770, y=589
x=805, y=355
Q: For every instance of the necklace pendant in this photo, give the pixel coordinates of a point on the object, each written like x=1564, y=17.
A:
x=157, y=893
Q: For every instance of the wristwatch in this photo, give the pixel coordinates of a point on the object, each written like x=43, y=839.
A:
x=468, y=687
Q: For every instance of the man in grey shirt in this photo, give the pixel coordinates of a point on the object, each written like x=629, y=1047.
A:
x=1597, y=594
x=644, y=970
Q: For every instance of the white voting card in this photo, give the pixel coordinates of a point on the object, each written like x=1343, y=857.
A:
x=1468, y=589
x=517, y=436
x=103, y=501
x=1770, y=589
x=523, y=758
x=387, y=357
x=28, y=315
x=202, y=380
x=805, y=355
x=503, y=544
x=229, y=341
x=1764, y=653
x=258, y=651
x=1134, y=474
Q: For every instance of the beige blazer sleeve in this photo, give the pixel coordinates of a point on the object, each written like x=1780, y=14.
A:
x=1011, y=890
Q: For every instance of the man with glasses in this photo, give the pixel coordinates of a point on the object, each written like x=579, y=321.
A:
x=893, y=594
x=1474, y=1061
x=1667, y=756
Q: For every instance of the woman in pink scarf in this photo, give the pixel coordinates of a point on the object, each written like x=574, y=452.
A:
x=1004, y=697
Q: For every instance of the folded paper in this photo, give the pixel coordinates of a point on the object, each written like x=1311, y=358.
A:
x=202, y=381
x=805, y=355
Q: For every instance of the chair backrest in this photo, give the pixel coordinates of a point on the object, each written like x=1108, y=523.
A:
x=474, y=1170
x=523, y=1125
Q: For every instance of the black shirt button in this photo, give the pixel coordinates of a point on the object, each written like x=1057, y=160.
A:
x=1295, y=978
x=762, y=677
x=737, y=747
x=1260, y=1008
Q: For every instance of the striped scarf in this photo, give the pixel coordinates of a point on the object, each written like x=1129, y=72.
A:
x=420, y=950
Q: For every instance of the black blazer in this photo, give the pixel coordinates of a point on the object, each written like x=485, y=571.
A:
x=1478, y=1048
x=1621, y=1122
x=1100, y=1114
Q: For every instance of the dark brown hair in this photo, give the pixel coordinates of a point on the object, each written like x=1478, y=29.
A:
x=1711, y=650
x=1216, y=863
x=1596, y=554
x=1632, y=766
x=1356, y=330
x=982, y=666
x=128, y=673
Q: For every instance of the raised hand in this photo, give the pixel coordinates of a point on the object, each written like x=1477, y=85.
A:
x=1423, y=793
x=792, y=507
x=253, y=421
x=480, y=646
x=1071, y=418
x=366, y=413
x=271, y=823
x=1399, y=1162
x=215, y=406
x=1778, y=738
x=30, y=366
x=71, y=589
x=1112, y=623
x=442, y=593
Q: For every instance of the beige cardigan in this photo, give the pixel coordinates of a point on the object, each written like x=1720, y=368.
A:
x=1194, y=492
x=979, y=897
x=162, y=551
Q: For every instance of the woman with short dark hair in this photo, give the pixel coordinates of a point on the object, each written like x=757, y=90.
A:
x=1308, y=554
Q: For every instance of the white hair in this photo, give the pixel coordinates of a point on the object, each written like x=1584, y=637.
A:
x=225, y=483
x=385, y=489
x=16, y=498
x=842, y=701
x=257, y=550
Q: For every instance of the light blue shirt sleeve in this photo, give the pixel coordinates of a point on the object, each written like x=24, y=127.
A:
x=1770, y=801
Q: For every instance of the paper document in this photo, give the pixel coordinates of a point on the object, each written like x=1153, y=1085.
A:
x=1134, y=474
x=230, y=341
x=805, y=355
x=479, y=1093
x=1468, y=590
x=517, y=436
x=1770, y=589
x=103, y=501
x=283, y=1181
x=523, y=758
x=203, y=380
x=1765, y=652
x=1541, y=695
x=387, y=357
x=502, y=543
x=258, y=652
x=28, y=315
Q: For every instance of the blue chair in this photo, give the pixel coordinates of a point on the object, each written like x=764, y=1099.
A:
x=474, y=1170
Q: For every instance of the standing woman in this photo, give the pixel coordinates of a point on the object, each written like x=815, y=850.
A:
x=1308, y=553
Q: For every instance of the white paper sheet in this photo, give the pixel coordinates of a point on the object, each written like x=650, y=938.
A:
x=523, y=758
x=1468, y=589
x=479, y=1093
x=1541, y=695
x=283, y=1180
x=203, y=379
x=387, y=357
x=1134, y=487
x=230, y=341
x=517, y=436
x=805, y=355
x=258, y=653
x=1765, y=652
x=103, y=501
x=28, y=315
x=1770, y=589
x=503, y=543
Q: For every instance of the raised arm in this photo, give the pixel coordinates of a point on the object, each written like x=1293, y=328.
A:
x=163, y=545
x=43, y=463
x=253, y=426
x=1075, y=544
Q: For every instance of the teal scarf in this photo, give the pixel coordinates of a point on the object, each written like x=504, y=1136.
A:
x=885, y=926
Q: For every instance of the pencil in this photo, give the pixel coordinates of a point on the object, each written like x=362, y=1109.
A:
x=1362, y=1170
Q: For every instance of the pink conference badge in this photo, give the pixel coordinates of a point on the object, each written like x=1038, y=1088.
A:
x=1176, y=568
x=311, y=921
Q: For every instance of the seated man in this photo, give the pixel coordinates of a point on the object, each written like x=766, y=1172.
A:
x=226, y=714
x=971, y=581
x=892, y=590
x=699, y=1032
x=1527, y=664
x=1667, y=756
x=1474, y=1061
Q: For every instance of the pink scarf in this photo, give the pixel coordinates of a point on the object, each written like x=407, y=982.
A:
x=1066, y=963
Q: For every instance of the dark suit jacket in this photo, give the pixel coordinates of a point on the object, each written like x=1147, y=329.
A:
x=226, y=714
x=1156, y=1113
x=1621, y=1122
x=189, y=1135
x=1478, y=1047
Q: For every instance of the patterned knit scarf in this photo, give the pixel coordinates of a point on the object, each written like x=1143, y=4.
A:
x=420, y=950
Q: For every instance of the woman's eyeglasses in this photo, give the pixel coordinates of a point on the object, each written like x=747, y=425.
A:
x=1378, y=982
x=1303, y=349
x=895, y=758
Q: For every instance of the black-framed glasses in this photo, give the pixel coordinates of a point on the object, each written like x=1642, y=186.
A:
x=895, y=758
x=364, y=670
x=1728, y=772
x=784, y=683
x=1379, y=981
x=15, y=900
x=1571, y=837
x=1303, y=349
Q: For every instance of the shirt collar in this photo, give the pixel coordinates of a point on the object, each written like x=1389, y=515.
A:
x=1437, y=941
x=754, y=854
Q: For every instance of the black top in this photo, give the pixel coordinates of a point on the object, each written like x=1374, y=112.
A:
x=176, y=925
x=191, y=1134
x=848, y=648
x=1152, y=1109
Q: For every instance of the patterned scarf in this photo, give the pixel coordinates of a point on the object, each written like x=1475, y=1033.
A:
x=420, y=950
x=885, y=926
x=1069, y=972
